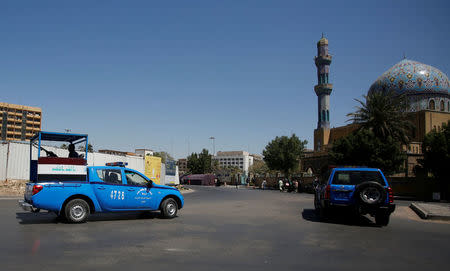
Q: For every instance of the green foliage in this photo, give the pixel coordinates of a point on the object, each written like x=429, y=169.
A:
x=81, y=147
x=364, y=148
x=199, y=163
x=284, y=153
x=259, y=168
x=164, y=156
x=385, y=114
x=436, y=150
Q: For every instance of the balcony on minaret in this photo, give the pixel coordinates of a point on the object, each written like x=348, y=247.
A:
x=323, y=89
x=323, y=60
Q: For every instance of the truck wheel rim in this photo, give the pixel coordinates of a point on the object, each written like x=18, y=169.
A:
x=371, y=195
x=171, y=209
x=77, y=211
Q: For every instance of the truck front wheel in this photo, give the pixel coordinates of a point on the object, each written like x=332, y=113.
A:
x=169, y=208
x=77, y=211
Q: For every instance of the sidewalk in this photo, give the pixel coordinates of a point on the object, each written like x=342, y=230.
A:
x=432, y=210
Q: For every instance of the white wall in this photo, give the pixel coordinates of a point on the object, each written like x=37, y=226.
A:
x=18, y=160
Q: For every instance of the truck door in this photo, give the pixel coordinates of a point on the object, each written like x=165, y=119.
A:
x=139, y=196
x=110, y=190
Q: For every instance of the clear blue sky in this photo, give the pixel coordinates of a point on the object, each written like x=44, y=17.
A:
x=167, y=75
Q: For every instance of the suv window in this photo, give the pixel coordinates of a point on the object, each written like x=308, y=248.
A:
x=355, y=177
x=112, y=176
x=135, y=179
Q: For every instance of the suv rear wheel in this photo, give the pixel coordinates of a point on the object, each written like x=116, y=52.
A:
x=382, y=218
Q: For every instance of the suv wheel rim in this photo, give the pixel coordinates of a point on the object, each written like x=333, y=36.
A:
x=371, y=195
x=77, y=211
x=171, y=209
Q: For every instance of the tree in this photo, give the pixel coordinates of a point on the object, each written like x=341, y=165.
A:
x=284, y=153
x=199, y=163
x=384, y=113
x=436, y=150
x=164, y=156
x=83, y=148
x=364, y=148
x=258, y=168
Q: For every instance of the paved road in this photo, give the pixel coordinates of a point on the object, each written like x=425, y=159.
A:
x=222, y=229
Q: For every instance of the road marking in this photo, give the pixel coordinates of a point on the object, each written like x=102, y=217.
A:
x=175, y=249
x=10, y=198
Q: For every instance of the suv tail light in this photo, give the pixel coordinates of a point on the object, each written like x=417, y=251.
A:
x=37, y=188
x=391, y=195
x=327, y=192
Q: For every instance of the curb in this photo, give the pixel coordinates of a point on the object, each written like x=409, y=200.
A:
x=424, y=214
x=419, y=211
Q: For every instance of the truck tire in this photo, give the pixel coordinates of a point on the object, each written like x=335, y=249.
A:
x=370, y=193
x=382, y=219
x=76, y=211
x=169, y=208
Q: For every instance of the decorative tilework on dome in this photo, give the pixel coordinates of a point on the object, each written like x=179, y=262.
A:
x=409, y=76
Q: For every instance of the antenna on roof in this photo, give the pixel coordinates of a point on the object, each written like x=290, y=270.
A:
x=404, y=55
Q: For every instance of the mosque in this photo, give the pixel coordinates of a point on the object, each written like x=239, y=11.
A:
x=426, y=88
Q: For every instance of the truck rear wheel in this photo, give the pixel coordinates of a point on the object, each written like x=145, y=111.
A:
x=76, y=211
x=169, y=208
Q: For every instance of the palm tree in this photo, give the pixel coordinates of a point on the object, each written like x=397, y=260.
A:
x=384, y=113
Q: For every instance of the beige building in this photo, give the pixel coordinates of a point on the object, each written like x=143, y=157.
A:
x=19, y=122
x=425, y=87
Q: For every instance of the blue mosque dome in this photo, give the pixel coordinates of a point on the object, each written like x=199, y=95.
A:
x=427, y=87
x=410, y=76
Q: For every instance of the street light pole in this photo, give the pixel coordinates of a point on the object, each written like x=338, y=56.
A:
x=214, y=145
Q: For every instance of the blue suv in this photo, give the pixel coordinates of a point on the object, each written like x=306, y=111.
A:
x=361, y=190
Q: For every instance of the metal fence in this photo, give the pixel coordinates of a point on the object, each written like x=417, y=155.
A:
x=15, y=160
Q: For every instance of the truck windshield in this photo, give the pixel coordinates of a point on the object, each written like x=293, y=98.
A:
x=350, y=177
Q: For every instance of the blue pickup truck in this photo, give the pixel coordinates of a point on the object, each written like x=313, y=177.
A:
x=360, y=190
x=73, y=190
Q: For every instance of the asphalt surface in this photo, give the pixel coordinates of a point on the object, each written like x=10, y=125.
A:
x=223, y=229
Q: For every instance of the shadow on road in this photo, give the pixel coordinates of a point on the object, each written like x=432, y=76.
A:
x=343, y=218
x=51, y=218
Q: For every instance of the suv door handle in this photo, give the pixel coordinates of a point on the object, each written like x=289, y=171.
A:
x=101, y=188
x=130, y=189
x=341, y=190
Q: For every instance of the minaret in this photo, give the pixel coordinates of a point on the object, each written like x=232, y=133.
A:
x=323, y=90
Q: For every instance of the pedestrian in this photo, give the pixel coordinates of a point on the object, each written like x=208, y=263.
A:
x=264, y=184
x=296, y=186
x=280, y=184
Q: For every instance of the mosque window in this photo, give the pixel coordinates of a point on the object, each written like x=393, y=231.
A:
x=442, y=105
x=431, y=105
x=328, y=115
x=319, y=117
x=326, y=78
x=323, y=115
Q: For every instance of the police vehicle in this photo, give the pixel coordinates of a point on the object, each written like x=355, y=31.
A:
x=73, y=190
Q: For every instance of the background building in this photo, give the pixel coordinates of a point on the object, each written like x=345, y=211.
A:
x=19, y=122
x=182, y=166
x=240, y=159
x=143, y=152
x=426, y=88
